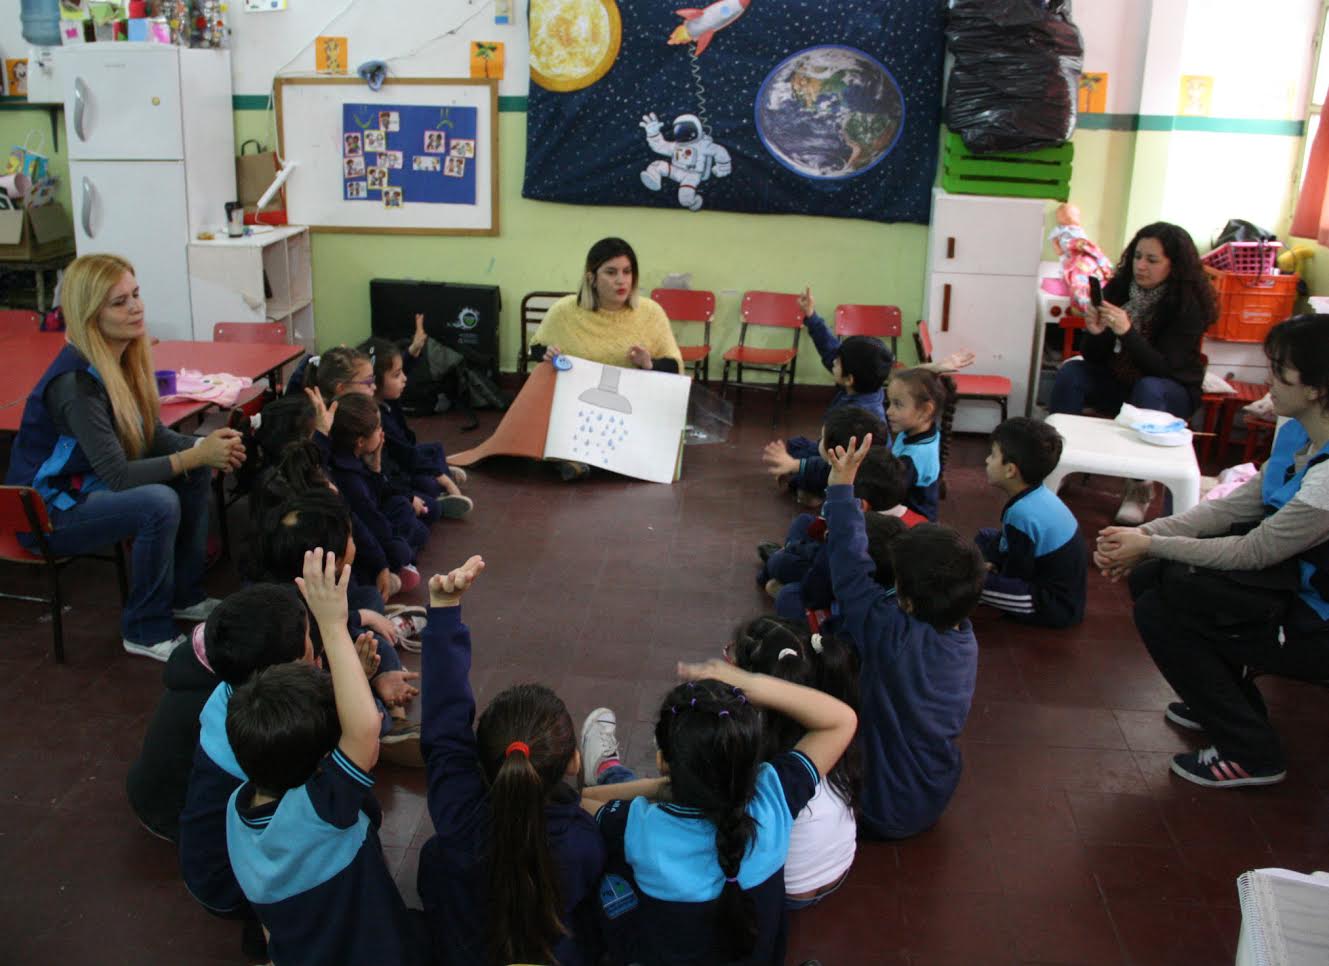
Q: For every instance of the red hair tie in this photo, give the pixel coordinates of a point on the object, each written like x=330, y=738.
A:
x=521, y=746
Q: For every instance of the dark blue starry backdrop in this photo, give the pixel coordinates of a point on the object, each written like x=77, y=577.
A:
x=803, y=108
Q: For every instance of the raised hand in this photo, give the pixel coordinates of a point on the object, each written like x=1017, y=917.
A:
x=445, y=590
x=845, y=460
x=323, y=589
x=323, y=413
x=806, y=304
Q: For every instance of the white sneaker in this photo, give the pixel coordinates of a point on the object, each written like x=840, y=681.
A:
x=1135, y=504
x=159, y=651
x=196, y=612
x=454, y=506
x=599, y=742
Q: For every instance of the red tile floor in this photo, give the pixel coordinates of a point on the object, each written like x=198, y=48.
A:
x=1068, y=841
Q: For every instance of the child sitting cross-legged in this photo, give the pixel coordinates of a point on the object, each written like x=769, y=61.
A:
x=696, y=858
x=918, y=653
x=512, y=872
x=1037, y=562
x=302, y=831
x=823, y=840
x=255, y=628
x=920, y=407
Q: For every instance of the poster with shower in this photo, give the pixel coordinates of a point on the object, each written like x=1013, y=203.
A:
x=627, y=421
x=767, y=106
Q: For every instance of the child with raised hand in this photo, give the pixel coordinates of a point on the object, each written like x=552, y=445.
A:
x=390, y=518
x=302, y=831
x=513, y=869
x=824, y=837
x=918, y=655
x=696, y=858
x=921, y=406
x=421, y=467
x=1037, y=561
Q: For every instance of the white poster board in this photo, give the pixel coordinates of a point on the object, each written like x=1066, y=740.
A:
x=627, y=421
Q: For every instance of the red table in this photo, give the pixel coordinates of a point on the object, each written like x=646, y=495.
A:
x=23, y=359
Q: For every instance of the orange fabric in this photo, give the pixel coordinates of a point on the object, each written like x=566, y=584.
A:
x=525, y=425
x=1311, y=219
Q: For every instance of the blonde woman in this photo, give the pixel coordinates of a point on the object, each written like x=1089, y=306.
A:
x=92, y=443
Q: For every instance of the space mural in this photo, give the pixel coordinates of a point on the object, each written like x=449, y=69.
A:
x=767, y=106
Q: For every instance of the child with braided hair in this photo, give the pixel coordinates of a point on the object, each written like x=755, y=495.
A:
x=695, y=870
x=920, y=409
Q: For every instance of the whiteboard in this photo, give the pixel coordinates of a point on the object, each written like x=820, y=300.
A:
x=309, y=131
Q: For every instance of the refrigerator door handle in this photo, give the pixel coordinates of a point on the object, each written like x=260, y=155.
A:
x=89, y=196
x=80, y=107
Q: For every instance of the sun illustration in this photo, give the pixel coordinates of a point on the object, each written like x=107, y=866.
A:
x=573, y=42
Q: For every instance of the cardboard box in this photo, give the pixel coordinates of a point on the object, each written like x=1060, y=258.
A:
x=33, y=234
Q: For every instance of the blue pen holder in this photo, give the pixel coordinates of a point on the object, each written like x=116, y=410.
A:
x=165, y=382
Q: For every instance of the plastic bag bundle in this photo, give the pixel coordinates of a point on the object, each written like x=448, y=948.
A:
x=1016, y=76
x=710, y=417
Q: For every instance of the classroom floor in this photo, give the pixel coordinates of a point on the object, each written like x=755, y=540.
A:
x=1068, y=841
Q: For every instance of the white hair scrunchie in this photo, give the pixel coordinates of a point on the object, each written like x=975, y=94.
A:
x=788, y=650
x=816, y=643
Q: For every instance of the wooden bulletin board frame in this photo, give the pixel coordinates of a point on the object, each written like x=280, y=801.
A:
x=354, y=217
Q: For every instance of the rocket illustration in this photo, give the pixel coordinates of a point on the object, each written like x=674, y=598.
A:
x=699, y=26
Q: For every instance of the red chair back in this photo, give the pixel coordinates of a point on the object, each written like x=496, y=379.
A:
x=924, y=342
x=21, y=509
x=19, y=321
x=772, y=308
x=270, y=333
x=882, y=321
x=685, y=305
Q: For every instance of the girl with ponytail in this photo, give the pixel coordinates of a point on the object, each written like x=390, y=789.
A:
x=824, y=837
x=512, y=872
x=696, y=859
x=920, y=410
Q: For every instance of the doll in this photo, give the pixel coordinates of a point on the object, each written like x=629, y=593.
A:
x=1080, y=258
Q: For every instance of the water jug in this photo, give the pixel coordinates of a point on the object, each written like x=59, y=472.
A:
x=41, y=22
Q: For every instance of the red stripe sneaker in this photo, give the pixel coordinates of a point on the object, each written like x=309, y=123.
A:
x=1208, y=767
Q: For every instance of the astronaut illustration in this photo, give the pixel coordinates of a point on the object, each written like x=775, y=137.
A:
x=694, y=157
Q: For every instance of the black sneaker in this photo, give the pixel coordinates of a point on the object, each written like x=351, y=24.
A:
x=1180, y=714
x=571, y=470
x=1207, y=767
x=764, y=550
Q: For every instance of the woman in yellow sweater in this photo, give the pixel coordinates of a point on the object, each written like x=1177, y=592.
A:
x=608, y=321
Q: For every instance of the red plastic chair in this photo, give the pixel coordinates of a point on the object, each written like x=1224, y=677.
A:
x=685, y=305
x=882, y=321
x=995, y=389
x=774, y=310
x=534, y=307
x=22, y=510
x=19, y=322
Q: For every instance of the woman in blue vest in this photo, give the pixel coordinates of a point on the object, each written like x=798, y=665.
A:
x=1254, y=597
x=92, y=443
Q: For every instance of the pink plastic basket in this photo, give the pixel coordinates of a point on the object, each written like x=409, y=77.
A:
x=1244, y=258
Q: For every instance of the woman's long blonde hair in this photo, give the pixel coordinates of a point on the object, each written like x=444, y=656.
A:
x=129, y=380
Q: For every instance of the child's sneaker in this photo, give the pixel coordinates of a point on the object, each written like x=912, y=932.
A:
x=1207, y=767
x=196, y=612
x=409, y=577
x=1180, y=714
x=159, y=651
x=401, y=745
x=409, y=622
x=599, y=744
x=454, y=506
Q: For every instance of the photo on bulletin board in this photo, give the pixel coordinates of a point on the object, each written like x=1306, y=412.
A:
x=426, y=161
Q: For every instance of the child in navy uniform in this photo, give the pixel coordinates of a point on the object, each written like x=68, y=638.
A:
x=1037, y=564
x=512, y=871
x=696, y=858
x=918, y=653
x=921, y=407
x=302, y=831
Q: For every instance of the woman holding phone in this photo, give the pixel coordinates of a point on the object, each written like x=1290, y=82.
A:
x=1142, y=344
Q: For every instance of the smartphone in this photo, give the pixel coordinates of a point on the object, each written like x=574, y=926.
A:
x=1095, y=291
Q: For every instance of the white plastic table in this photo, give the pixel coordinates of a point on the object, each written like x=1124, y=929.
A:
x=1102, y=446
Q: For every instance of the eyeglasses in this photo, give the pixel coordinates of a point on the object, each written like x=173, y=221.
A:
x=363, y=382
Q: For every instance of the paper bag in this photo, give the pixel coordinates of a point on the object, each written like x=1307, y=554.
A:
x=254, y=174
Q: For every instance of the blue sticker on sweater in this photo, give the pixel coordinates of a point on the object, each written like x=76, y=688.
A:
x=616, y=896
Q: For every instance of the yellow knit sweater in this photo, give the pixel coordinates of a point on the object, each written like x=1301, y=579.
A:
x=605, y=336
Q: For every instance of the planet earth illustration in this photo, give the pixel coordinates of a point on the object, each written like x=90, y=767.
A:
x=829, y=112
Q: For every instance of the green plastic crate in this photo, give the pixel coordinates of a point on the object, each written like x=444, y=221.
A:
x=1045, y=173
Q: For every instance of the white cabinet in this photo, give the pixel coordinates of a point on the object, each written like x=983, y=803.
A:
x=982, y=280
x=264, y=277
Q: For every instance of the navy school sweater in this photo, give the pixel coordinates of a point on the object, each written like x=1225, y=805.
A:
x=1042, y=563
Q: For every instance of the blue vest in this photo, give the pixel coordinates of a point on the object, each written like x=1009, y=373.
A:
x=1281, y=482
x=54, y=465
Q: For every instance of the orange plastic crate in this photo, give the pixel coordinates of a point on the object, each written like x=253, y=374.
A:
x=1250, y=305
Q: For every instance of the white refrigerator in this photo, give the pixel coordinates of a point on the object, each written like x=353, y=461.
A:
x=151, y=162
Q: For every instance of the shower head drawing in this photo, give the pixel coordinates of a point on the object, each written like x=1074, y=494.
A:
x=606, y=395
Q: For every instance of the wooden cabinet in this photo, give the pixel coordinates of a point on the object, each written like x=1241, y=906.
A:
x=264, y=277
x=982, y=280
